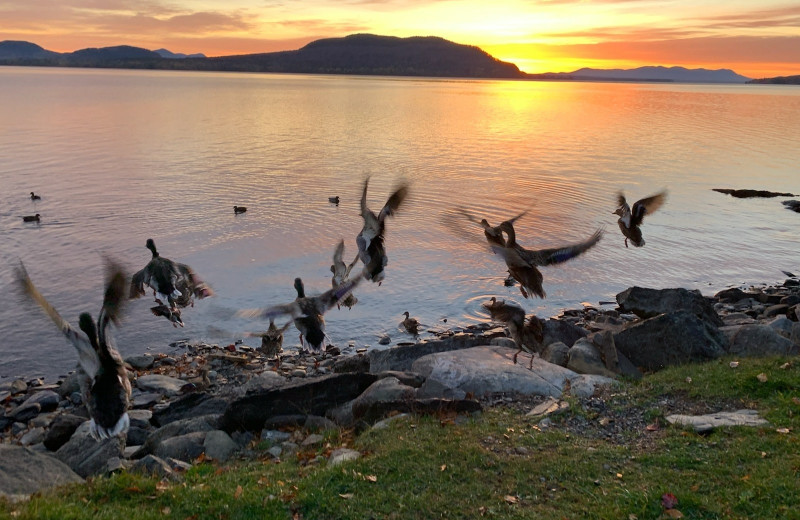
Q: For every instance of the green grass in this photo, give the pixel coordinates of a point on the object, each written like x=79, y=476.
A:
x=500, y=465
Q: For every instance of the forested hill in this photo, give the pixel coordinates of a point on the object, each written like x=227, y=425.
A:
x=356, y=54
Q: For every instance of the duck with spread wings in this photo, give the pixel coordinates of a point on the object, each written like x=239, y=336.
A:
x=104, y=380
x=631, y=218
x=371, y=248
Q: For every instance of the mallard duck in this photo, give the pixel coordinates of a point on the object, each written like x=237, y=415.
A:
x=522, y=262
x=334, y=200
x=370, y=240
x=493, y=234
x=525, y=333
x=104, y=379
x=174, y=284
x=630, y=219
x=31, y=218
x=239, y=209
x=411, y=325
x=35, y=197
x=307, y=311
x=340, y=272
x=272, y=339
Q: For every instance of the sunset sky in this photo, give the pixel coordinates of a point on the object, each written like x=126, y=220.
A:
x=756, y=38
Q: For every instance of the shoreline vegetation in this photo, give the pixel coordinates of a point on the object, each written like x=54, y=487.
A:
x=359, y=54
x=222, y=430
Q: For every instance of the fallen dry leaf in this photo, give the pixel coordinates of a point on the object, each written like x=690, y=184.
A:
x=443, y=467
x=653, y=427
x=482, y=510
x=166, y=510
x=619, y=475
x=673, y=513
x=238, y=492
x=632, y=517
x=688, y=379
x=786, y=365
x=734, y=364
x=669, y=501
x=796, y=400
x=346, y=496
x=510, y=499
x=782, y=430
x=372, y=478
x=762, y=377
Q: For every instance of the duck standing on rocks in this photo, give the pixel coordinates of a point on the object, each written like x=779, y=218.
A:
x=307, y=311
x=174, y=285
x=35, y=197
x=272, y=339
x=522, y=263
x=340, y=272
x=411, y=325
x=631, y=218
x=370, y=240
x=104, y=380
x=524, y=332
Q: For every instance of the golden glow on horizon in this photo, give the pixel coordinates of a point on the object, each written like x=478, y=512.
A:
x=755, y=39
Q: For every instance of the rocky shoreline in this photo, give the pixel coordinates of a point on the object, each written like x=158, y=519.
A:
x=214, y=402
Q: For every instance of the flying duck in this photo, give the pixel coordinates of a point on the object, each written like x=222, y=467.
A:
x=493, y=234
x=340, y=272
x=35, y=197
x=524, y=332
x=630, y=219
x=307, y=311
x=370, y=240
x=239, y=209
x=173, y=315
x=411, y=325
x=104, y=380
x=522, y=263
x=174, y=285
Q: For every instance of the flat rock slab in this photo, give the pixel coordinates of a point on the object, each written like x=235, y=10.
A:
x=158, y=383
x=705, y=423
x=490, y=369
x=24, y=471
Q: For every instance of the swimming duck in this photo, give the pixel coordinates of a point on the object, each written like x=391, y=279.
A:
x=173, y=284
x=340, y=272
x=411, y=325
x=104, y=379
x=31, y=218
x=370, y=240
x=525, y=333
x=307, y=311
x=239, y=209
x=522, y=263
x=35, y=197
x=334, y=200
x=630, y=219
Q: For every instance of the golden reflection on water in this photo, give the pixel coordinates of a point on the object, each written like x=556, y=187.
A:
x=121, y=156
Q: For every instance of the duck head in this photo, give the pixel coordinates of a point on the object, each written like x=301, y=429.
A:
x=152, y=247
x=298, y=286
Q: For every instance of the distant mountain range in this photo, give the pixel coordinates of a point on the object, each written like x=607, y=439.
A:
x=362, y=54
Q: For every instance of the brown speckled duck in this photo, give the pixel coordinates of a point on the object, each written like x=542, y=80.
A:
x=631, y=218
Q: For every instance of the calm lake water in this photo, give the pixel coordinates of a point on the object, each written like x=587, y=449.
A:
x=122, y=156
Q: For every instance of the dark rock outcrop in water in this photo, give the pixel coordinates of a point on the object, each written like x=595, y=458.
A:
x=793, y=205
x=364, y=54
x=778, y=80
x=747, y=194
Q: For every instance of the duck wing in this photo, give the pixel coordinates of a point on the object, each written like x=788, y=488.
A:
x=646, y=206
x=329, y=298
x=505, y=312
x=395, y=200
x=559, y=255
x=87, y=356
x=292, y=309
x=113, y=303
x=195, y=284
x=524, y=272
x=139, y=280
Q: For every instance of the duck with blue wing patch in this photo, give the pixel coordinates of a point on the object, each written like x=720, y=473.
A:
x=104, y=380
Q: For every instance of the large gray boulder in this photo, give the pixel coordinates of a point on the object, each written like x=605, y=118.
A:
x=204, y=423
x=61, y=429
x=183, y=447
x=87, y=456
x=24, y=472
x=160, y=384
x=671, y=339
x=586, y=358
x=401, y=357
x=189, y=406
x=760, y=340
x=648, y=303
x=559, y=330
x=490, y=370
